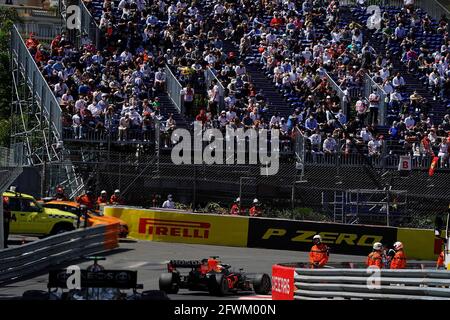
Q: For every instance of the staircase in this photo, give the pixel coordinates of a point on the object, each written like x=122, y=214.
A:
x=168, y=107
x=275, y=100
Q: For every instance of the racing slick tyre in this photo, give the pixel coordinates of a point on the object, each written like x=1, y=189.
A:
x=218, y=285
x=168, y=283
x=262, y=284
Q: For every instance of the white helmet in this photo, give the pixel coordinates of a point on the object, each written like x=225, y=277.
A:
x=238, y=200
x=255, y=200
x=117, y=191
x=377, y=246
x=398, y=245
x=103, y=192
x=317, y=237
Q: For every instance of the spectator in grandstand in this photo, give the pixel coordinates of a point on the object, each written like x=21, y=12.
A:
x=169, y=203
x=124, y=125
x=374, y=105
x=329, y=145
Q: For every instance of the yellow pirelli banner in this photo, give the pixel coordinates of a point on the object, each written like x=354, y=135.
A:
x=419, y=244
x=180, y=226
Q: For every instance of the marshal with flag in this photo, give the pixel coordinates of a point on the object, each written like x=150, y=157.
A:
x=433, y=166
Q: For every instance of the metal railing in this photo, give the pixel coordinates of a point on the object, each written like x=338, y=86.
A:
x=89, y=26
x=406, y=284
x=174, y=89
x=36, y=82
x=17, y=263
x=432, y=7
x=370, y=86
x=42, y=31
x=340, y=93
x=209, y=77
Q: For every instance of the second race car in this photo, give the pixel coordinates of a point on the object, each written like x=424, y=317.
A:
x=212, y=276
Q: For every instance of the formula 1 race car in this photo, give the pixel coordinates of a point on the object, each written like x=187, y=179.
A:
x=94, y=283
x=212, y=276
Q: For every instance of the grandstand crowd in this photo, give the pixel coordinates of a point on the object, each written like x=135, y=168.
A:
x=295, y=44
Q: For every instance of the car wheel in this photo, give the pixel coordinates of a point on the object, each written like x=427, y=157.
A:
x=168, y=283
x=262, y=284
x=61, y=228
x=218, y=285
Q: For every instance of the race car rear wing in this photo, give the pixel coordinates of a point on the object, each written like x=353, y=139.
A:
x=119, y=279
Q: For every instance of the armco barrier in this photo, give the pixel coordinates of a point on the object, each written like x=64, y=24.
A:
x=180, y=226
x=16, y=263
x=317, y=284
x=269, y=233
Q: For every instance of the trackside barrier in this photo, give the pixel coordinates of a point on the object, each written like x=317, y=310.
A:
x=269, y=233
x=179, y=226
x=16, y=263
x=318, y=284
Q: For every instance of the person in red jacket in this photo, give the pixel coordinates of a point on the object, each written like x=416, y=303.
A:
x=103, y=198
x=399, y=259
x=375, y=258
x=236, y=207
x=87, y=200
x=32, y=43
x=255, y=211
x=318, y=256
x=440, y=264
x=116, y=198
x=201, y=117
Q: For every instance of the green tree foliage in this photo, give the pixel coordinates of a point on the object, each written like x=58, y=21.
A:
x=8, y=17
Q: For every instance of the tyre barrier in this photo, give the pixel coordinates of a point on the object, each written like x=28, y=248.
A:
x=28, y=259
x=291, y=283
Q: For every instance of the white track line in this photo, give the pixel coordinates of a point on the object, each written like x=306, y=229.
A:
x=137, y=265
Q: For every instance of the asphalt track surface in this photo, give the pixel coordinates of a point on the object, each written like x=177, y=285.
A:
x=150, y=258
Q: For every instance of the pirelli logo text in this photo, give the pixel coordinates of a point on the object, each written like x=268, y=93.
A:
x=350, y=239
x=174, y=228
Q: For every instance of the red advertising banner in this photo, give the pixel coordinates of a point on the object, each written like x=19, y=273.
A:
x=282, y=283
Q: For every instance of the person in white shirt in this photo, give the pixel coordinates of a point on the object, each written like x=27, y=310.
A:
x=124, y=125
x=95, y=109
x=223, y=120
x=365, y=134
x=169, y=203
x=76, y=125
x=188, y=98
x=126, y=56
x=329, y=144
x=410, y=122
x=231, y=115
x=374, y=104
x=135, y=118
x=275, y=120
x=160, y=79
x=316, y=141
x=240, y=69
x=374, y=147
x=398, y=82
